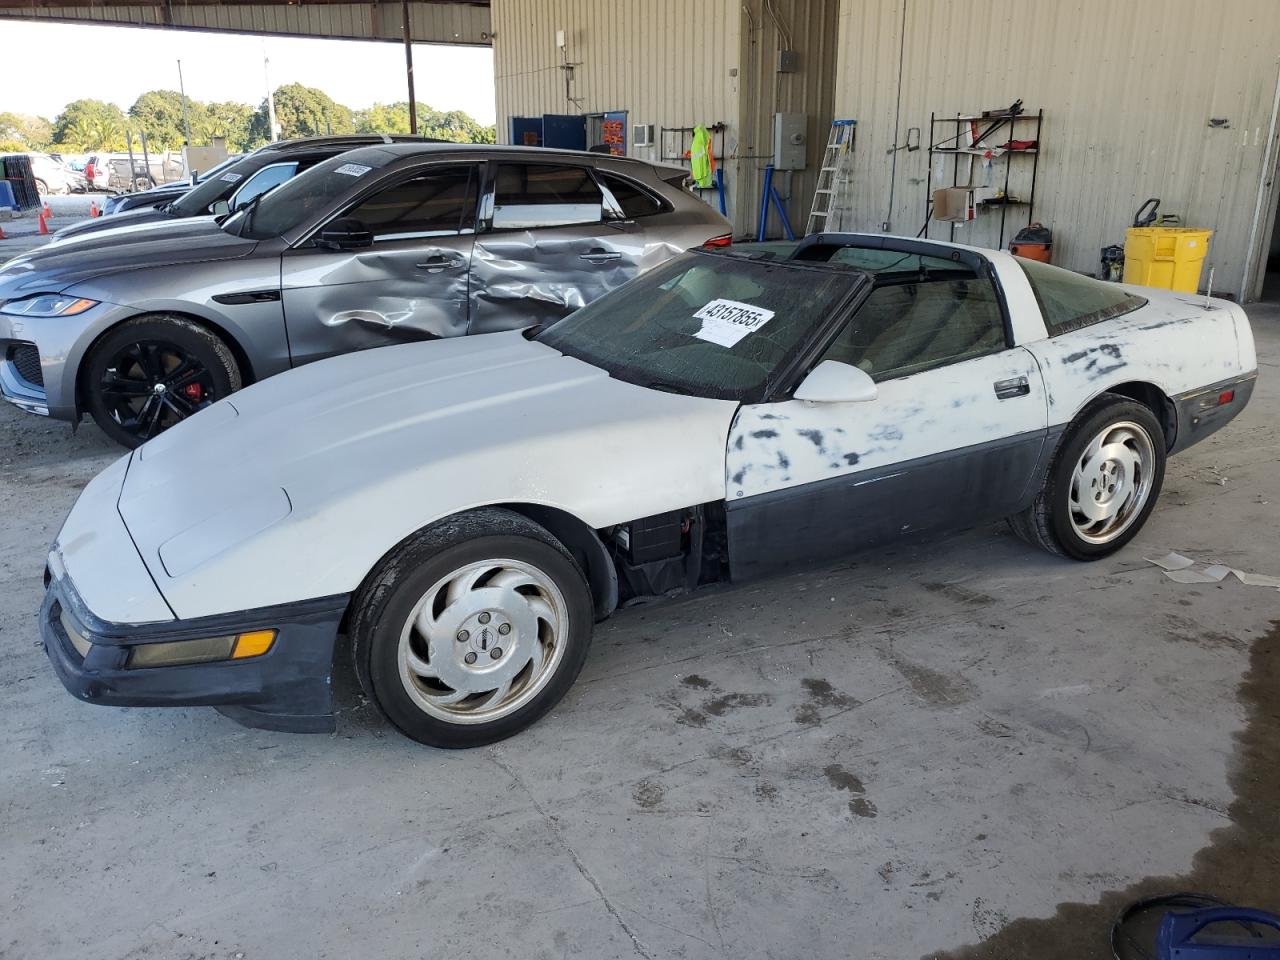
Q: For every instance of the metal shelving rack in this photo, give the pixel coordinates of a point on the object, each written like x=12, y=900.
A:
x=989, y=127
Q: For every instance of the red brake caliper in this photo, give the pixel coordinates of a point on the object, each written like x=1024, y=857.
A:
x=193, y=392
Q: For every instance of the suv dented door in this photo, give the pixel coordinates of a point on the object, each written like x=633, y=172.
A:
x=554, y=241
x=410, y=283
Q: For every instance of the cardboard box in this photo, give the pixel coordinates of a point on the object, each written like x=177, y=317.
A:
x=954, y=204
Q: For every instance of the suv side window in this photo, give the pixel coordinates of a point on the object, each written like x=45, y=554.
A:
x=435, y=204
x=530, y=195
x=914, y=322
x=633, y=200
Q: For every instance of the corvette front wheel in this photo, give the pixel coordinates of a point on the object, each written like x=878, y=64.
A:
x=472, y=629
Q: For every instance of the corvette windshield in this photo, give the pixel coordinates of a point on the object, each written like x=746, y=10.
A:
x=306, y=195
x=706, y=324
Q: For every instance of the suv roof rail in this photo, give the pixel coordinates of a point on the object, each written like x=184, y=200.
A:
x=355, y=139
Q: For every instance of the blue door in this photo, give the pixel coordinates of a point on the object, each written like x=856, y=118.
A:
x=564, y=131
x=526, y=131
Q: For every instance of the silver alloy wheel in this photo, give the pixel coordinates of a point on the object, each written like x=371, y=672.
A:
x=1111, y=482
x=483, y=641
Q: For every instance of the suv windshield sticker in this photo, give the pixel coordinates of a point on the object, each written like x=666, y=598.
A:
x=727, y=321
x=230, y=177
x=353, y=169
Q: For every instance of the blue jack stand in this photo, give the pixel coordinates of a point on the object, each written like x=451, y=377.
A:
x=1182, y=935
x=768, y=193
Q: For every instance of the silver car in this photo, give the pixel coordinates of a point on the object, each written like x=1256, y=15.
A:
x=141, y=327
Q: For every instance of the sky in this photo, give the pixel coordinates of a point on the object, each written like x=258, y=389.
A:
x=64, y=62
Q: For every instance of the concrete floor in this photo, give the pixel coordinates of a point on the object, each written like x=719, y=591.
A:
x=897, y=757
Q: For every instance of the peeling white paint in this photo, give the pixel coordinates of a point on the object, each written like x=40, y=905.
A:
x=773, y=446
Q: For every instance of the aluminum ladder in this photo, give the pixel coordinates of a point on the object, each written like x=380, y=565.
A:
x=834, y=157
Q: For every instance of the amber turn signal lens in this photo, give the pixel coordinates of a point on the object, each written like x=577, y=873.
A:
x=253, y=644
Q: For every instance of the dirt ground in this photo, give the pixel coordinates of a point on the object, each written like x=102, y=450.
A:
x=964, y=748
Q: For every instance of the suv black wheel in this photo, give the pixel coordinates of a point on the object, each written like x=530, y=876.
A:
x=147, y=374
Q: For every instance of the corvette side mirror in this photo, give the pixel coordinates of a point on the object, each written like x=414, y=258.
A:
x=220, y=209
x=834, y=382
x=345, y=235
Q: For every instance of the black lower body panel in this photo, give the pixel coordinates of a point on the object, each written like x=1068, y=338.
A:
x=824, y=519
x=1200, y=414
x=286, y=688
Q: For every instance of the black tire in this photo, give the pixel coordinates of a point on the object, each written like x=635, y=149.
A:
x=388, y=597
x=42, y=188
x=1047, y=522
x=113, y=383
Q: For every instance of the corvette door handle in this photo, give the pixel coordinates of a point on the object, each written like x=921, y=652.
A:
x=600, y=255
x=1016, y=387
x=437, y=263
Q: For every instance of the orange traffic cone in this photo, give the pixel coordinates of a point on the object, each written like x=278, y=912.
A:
x=93, y=209
x=1, y=233
x=47, y=212
x=44, y=227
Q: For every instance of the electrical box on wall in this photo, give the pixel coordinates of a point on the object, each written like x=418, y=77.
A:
x=642, y=134
x=788, y=61
x=789, y=141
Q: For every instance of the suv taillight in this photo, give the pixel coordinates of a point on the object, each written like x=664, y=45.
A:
x=721, y=241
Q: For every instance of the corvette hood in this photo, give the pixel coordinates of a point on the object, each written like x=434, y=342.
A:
x=295, y=487
x=57, y=266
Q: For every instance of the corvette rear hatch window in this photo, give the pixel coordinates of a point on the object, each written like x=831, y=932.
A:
x=707, y=324
x=1069, y=301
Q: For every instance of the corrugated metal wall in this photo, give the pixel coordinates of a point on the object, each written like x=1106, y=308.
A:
x=455, y=23
x=675, y=63
x=811, y=25
x=671, y=63
x=1127, y=90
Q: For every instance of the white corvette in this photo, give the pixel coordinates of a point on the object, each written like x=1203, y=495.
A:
x=463, y=510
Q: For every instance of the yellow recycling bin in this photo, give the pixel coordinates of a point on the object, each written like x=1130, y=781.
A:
x=1168, y=257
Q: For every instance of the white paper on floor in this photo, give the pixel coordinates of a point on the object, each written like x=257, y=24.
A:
x=1171, y=561
x=1178, y=568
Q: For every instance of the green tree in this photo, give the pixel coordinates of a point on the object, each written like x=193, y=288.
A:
x=158, y=114
x=303, y=112
x=383, y=118
x=229, y=120
x=90, y=124
x=453, y=125
x=444, y=125
x=34, y=133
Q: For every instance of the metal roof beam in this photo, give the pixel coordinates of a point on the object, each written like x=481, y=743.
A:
x=430, y=21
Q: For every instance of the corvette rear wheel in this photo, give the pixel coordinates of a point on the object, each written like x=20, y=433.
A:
x=150, y=373
x=1102, y=485
x=473, y=629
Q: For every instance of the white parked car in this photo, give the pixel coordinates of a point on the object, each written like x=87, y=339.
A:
x=464, y=510
x=52, y=176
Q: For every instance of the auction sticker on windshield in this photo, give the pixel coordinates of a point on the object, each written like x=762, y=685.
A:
x=230, y=177
x=727, y=321
x=353, y=169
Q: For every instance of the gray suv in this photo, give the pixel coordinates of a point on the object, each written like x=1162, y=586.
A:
x=229, y=186
x=143, y=327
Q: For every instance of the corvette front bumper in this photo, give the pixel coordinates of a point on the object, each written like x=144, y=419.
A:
x=286, y=688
